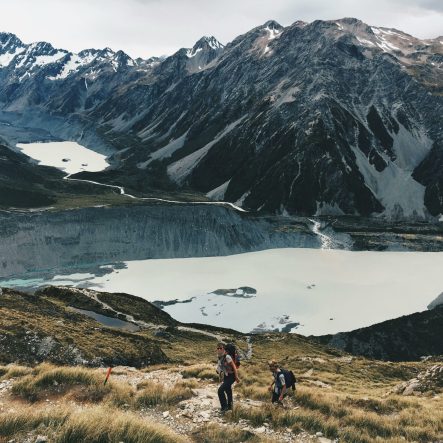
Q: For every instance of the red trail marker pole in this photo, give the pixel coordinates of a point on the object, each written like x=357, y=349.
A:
x=108, y=373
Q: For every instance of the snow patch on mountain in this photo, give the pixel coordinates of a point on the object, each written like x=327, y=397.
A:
x=365, y=42
x=193, y=52
x=382, y=42
x=6, y=58
x=42, y=60
x=72, y=65
x=273, y=32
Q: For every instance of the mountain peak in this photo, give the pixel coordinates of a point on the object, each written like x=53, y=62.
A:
x=10, y=45
x=41, y=47
x=205, y=44
x=208, y=42
x=272, y=24
x=350, y=21
x=7, y=37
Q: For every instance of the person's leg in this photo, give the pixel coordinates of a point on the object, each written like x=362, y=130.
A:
x=275, y=397
x=229, y=382
x=221, y=396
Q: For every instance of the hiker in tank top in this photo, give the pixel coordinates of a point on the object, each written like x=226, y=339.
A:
x=278, y=386
x=227, y=370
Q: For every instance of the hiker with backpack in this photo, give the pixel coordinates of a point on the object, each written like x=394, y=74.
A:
x=283, y=380
x=228, y=362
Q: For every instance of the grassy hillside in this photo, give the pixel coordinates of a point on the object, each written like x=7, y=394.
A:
x=49, y=395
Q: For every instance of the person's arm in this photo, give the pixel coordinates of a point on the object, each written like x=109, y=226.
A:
x=283, y=391
x=271, y=387
x=219, y=372
x=283, y=388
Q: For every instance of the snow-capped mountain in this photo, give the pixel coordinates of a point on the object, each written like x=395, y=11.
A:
x=328, y=117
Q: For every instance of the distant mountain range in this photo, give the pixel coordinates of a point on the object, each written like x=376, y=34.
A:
x=329, y=117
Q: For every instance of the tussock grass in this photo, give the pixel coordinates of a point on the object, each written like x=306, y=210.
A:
x=81, y=384
x=348, y=424
x=95, y=426
x=255, y=392
x=28, y=419
x=92, y=425
x=388, y=406
x=213, y=433
x=190, y=383
x=353, y=411
x=154, y=394
x=202, y=371
x=13, y=371
x=353, y=407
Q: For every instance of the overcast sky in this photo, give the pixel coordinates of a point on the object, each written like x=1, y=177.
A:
x=155, y=27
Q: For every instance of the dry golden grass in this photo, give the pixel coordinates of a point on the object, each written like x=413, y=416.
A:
x=353, y=412
x=95, y=426
x=154, y=394
x=202, y=371
x=191, y=383
x=28, y=419
x=78, y=383
x=178, y=349
x=353, y=406
x=213, y=433
x=13, y=371
x=48, y=317
x=92, y=425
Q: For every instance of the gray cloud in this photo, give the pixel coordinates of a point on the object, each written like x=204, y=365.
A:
x=153, y=27
x=434, y=5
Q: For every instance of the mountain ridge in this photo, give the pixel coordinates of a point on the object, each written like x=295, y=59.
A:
x=323, y=118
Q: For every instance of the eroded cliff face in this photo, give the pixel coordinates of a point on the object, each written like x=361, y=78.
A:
x=81, y=239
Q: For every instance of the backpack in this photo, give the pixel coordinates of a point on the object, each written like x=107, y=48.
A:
x=231, y=350
x=290, y=379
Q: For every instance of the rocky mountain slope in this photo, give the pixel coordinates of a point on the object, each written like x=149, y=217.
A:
x=328, y=117
x=405, y=338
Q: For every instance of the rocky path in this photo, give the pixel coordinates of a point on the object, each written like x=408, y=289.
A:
x=204, y=407
x=185, y=418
